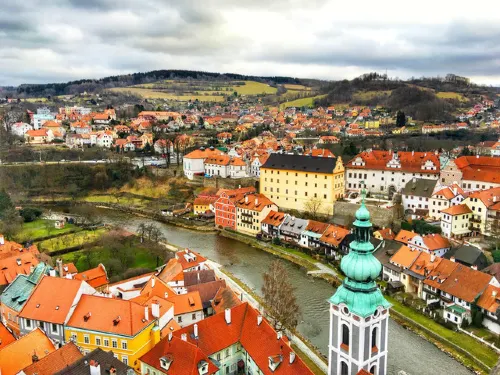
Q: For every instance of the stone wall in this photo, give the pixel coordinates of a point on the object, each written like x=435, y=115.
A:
x=229, y=183
x=380, y=217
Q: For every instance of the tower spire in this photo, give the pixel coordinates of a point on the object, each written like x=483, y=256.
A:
x=359, y=311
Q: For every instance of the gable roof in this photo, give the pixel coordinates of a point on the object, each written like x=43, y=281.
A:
x=489, y=197
x=199, y=277
x=19, y=264
x=479, y=168
x=260, y=341
x=111, y=315
x=185, y=357
x=207, y=291
x=253, y=202
x=490, y=299
x=274, y=218
x=459, y=209
x=172, y=271
x=189, y=258
x=334, y=235
x=450, y=192
x=410, y=161
x=6, y=336
x=386, y=233
x=405, y=257
x=405, y=235
x=468, y=255
x=225, y=299
x=186, y=303
x=52, y=299
x=300, y=163
x=95, y=277
x=106, y=360
x=19, y=354
x=55, y=361
x=465, y=283
x=420, y=187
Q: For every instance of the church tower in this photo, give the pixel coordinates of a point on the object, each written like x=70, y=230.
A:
x=359, y=313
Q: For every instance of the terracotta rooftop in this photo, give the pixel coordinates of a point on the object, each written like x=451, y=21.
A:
x=460, y=209
x=55, y=361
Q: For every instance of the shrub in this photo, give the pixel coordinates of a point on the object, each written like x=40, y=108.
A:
x=30, y=214
x=496, y=256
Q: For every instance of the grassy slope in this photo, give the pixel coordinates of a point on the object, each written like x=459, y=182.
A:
x=70, y=240
x=451, y=95
x=301, y=102
x=475, y=348
x=41, y=228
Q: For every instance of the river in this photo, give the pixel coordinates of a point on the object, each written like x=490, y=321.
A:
x=407, y=351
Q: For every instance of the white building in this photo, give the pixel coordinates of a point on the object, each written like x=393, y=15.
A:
x=385, y=172
x=104, y=140
x=430, y=243
x=445, y=197
x=416, y=197
x=194, y=162
x=20, y=128
x=256, y=163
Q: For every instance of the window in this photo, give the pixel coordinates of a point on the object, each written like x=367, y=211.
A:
x=345, y=336
x=124, y=345
x=28, y=323
x=193, y=316
x=227, y=353
x=86, y=339
x=373, y=369
x=179, y=319
x=98, y=341
x=114, y=343
x=106, y=342
x=344, y=369
x=374, y=339
x=53, y=328
x=125, y=359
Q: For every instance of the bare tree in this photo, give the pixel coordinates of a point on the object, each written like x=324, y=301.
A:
x=314, y=207
x=279, y=296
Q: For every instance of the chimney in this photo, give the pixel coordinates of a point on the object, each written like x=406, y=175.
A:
x=246, y=198
x=433, y=258
x=184, y=337
x=59, y=265
x=292, y=357
x=95, y=368
x=412, y=153
x=170, y=335
x=259, y=320
x=477, y=156
x=146, y=312
x=256, y=201
x=474, y=267
x=455, y=190
x=34, y=357
x=494, y=293
x=153, y=281
x=195, y=331
x=2, y=240
x=279, y=335
x=18, y=261
x=452, y=259
x=227, y=315
x=155, y=309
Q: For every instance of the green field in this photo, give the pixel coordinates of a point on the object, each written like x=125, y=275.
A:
x=42, y=228
x=294, y=87
x=302, y=102
x=206, y=91
x=451, y=95
x=367, y=95
x=136, y=202
x=142, y=258
x=71, y=240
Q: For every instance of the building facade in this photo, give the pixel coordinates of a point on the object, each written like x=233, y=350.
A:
x=303, y=183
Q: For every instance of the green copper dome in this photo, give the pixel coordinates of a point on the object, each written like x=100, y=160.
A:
x=359, y=291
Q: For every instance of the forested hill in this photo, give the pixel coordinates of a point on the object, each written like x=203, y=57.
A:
x=92, y=85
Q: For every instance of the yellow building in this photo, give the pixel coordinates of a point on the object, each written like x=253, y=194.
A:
x=250, y=211
x=481, y=202
x=303, y=183
x=374, y=124
x=124, y=327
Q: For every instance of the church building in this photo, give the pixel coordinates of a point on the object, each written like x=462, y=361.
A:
x=359, y=313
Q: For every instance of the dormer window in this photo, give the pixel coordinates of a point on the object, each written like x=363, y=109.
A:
x=274, y=362
x=166, y=362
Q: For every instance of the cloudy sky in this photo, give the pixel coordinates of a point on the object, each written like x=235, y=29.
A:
x=61, y=40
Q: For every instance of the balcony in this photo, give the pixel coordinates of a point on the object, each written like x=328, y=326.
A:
x=474, y=220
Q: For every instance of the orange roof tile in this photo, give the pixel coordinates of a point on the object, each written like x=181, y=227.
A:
x=186, y=303
x=490, y=299
x=6, y=336
x=155, y=287
x=404, y=236
x=274, y=218
x=465, y=283
x=55, y=361
x=425, y=263
x=386, y=233
x=184, y=356
x=172, y=271
x=334, y=235
x=460, y=209
x=253, y=202
x=18, y=264
x=489, y=197
x=95, y=277
x=203, y=154
x=410, y=161
x=19, y=354
x=112, y=315
x=51, y=300
x=189, y=258
x=479, y=168
x=405, y=257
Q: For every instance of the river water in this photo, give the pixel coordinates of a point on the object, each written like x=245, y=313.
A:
x=407, y=351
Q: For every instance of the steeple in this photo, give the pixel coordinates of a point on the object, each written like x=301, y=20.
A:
x=359, y=311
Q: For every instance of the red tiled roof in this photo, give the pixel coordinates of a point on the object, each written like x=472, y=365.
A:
x=260, y=341
x=490, y=299
x=19, y=354
x=274, y=218
x=334, y=235
x=479, y=168
x=6, y=336
x=113, y=315
x=460, y=209
x=405, y=257
x=188, y=258
x=95, y=277
x=253, y=202
x=18, y=264
x=55, y=361
x=404, y=236
x=386, y=233
x=185, y=357
x=51, y=300
x=410, y=161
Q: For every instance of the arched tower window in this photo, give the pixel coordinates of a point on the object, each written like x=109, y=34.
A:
x=374, y=339
x=345, y=336
x=344, y=369
x=373, y=369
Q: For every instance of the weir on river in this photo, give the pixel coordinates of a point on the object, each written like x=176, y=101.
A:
x=407, y=351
